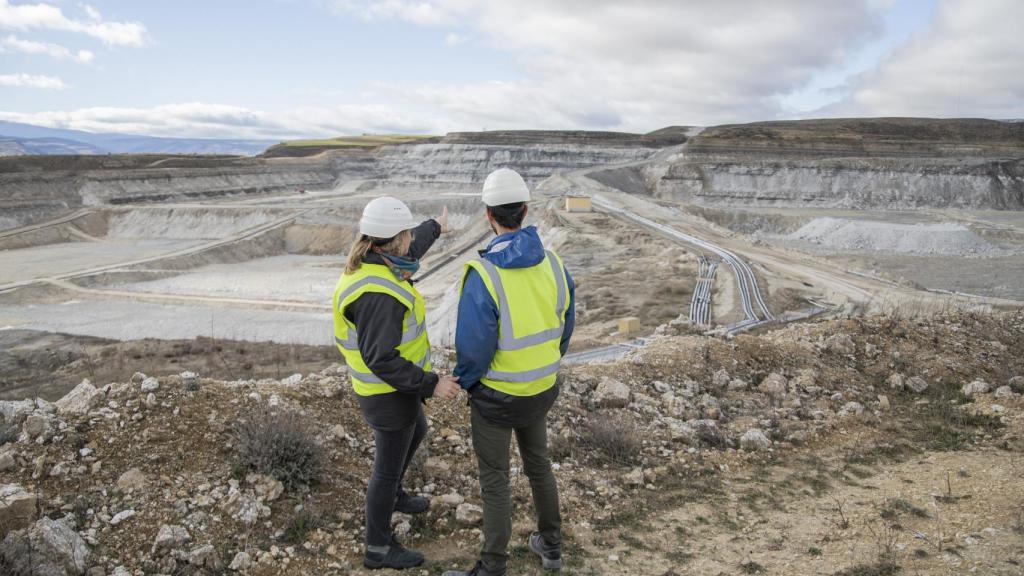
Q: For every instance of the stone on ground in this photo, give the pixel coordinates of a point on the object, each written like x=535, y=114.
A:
x=917, y=384
x=754, y=440
x=975, y=387
x=17, y=507
x=80, y=400
x=612, y=394
x=469, y=514
x=132, y=480
x=59, y=548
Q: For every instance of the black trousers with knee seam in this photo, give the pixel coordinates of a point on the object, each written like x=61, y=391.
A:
x=395, y=450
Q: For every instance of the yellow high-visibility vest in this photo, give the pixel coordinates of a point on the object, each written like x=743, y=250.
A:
x=532, y=304
x=414, y=346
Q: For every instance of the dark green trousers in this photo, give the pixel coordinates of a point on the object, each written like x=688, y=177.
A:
x=491, y=443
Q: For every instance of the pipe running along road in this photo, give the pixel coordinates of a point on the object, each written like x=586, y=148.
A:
x=749, y=291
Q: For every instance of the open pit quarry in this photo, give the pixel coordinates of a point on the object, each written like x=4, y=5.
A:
x=781, y=320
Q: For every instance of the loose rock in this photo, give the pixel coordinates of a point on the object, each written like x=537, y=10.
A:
x=917, y=384
x=132, y=480
x=612, y=394
x=59, y=549
x=150, y=385
x=774, y=385
x=80, y=400
x=754, y=440
x=974, y=388
x=469, y=514
x=17, y=507
x=170, y=537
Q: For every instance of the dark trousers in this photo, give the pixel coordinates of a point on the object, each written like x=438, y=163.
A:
x=491, y=443
x=394, y=453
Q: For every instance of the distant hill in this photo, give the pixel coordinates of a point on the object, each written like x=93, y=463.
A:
x=27, y=139
x=45, y=146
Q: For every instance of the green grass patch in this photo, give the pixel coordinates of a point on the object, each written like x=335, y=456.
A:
x=364, y=141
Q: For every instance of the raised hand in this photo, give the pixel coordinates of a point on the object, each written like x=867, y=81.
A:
x=443, y=221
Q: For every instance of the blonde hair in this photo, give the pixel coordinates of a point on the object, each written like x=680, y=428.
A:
x=397, y=246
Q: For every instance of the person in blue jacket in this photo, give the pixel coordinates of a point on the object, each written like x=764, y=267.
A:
x=509, y=374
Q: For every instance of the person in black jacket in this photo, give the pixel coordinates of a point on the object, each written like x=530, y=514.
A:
x=397, y=419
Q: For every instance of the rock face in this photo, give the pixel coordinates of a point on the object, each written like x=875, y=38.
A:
x=34, y=190
x=17, y=507
x=855, y=163
x=612, y=394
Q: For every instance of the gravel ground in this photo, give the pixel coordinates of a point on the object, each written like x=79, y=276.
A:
x=302, y=278
x=922, y=239
x=126, y=320
x=53, y=259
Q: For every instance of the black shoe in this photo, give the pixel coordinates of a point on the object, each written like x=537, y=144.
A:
x=477, y=570
x=407, y=504
x=397, y=557
x=550, y=556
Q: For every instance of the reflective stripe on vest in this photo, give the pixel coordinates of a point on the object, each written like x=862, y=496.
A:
x=512, y=350
x=372, y=378
x=508, y=341
x=414, y=345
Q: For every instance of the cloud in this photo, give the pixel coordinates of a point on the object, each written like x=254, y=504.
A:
x=14, y=44
x=197, y=119
x=608, y=64
x=453, y=39
x=48, y=17
x=31, y=81
x=968, y=63
x=426, y=12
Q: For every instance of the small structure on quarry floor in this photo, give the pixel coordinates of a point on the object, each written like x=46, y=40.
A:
x=629, y=325
x=578, y=204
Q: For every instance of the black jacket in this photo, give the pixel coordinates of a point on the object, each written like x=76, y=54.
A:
x=378, y=319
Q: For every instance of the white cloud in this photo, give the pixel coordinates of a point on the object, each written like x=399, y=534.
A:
x=14, y=44
x=609, y=64
x=426, y=12
x=49, y=17
x=197, y=119
x=31, y=81
x=453, y=39
x=970, y=62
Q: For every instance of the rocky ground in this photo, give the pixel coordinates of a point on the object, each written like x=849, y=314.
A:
x=857, y=446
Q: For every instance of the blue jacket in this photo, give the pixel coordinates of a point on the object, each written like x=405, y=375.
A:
x=476, y=333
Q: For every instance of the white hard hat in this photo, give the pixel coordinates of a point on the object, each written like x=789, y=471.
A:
x=505, y=186
x=385, y=217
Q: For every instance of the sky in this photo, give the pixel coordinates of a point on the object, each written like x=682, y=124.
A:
x=281, y=69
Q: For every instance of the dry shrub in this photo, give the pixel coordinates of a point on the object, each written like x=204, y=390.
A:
x=279, y=443
x=301, y=523
x=615, y=440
